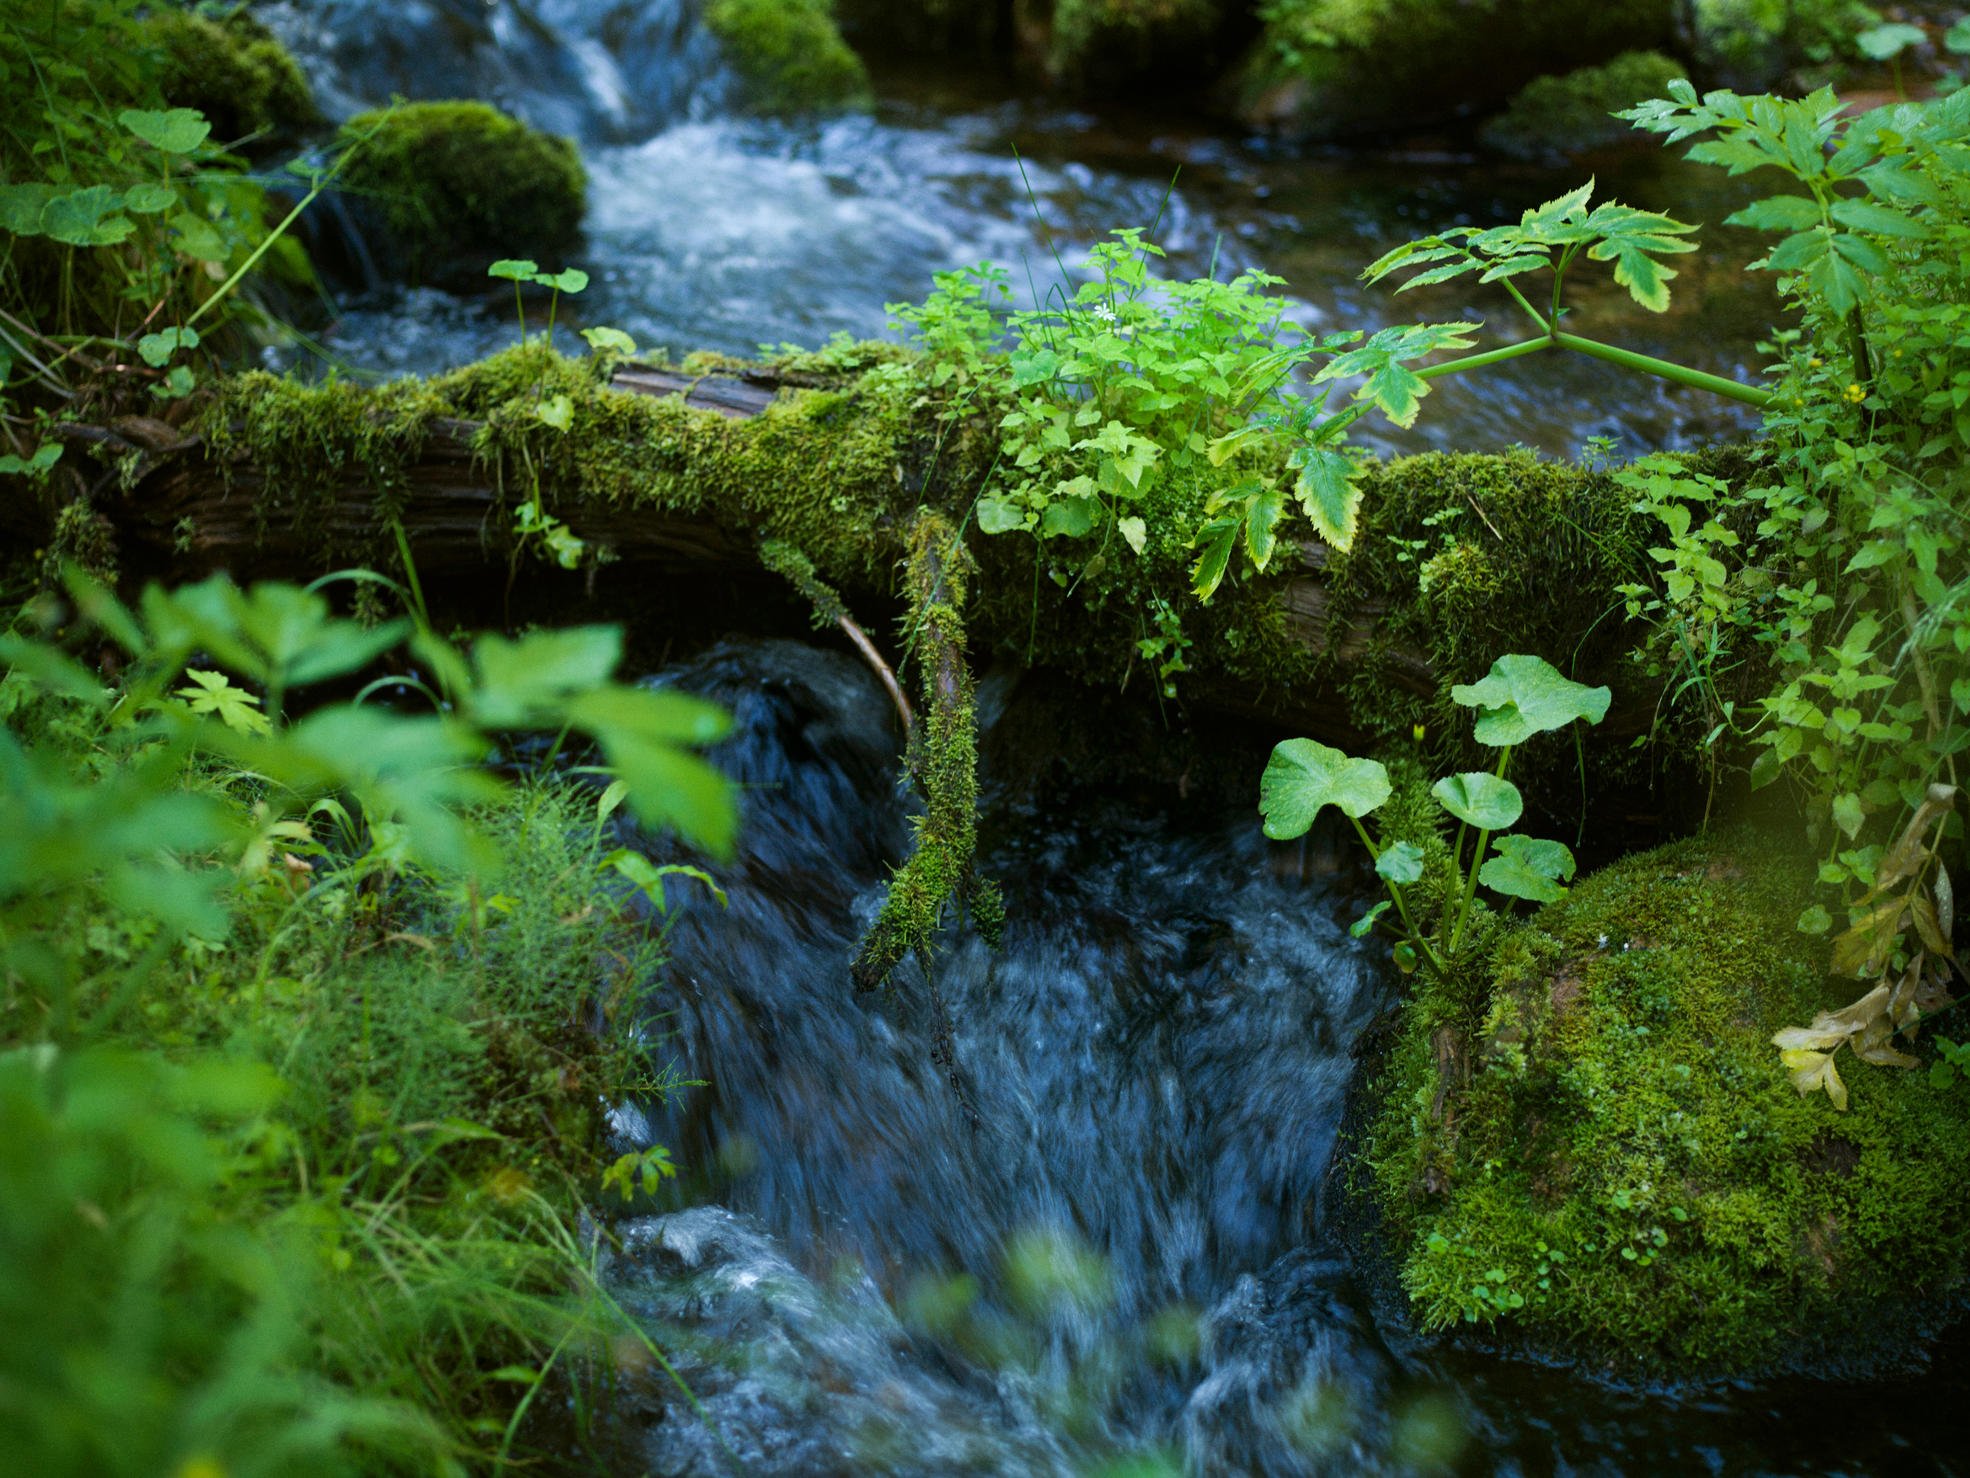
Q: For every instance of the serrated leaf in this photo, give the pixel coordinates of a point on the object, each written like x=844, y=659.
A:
x=1262, y=515
x=1304, y=777
x=213, y=693
x=1214, y=543
x=1479, y=799
x=1524, y=695
x=1326, y=492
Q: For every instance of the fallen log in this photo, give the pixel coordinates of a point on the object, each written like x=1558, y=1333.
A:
x=659, y=468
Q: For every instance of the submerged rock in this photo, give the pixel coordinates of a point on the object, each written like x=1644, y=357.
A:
x=1598, y=1148
x=1553, y=117
x=788, y=55
x=1332, y=68
x=451, y=187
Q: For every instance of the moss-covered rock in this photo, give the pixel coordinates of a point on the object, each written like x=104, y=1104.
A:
x=1336, y=67
x=451, y=187
x=1111, y=43
x=789, y=55
x=233, y=71
x=1595, y=1147
x=1755, y=44
x=1557, y=116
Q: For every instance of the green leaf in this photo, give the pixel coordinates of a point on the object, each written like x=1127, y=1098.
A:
x=1777, y=213
x=21, y=207
x=213, y=693
x=175, y=131
x=198, y=238
x=997, y=516
x=513, y=269
x=1480, y=799
x=1525, y=695
x=149, y=198
x=1217, y=539
x=609, y=341
x=84, y=217
x=1134, y=532
x=1957, y=38
x=1262, y=515
x=1362, y=927
x=1070, y=518
x=557, y=411
x=1861, y=216
x=1528, y=868
x=1815, y=920
x=569, y=280
x=1304, y=777
x=156, y=349
x=1886, y=42
x=1401, y=863
x=1327, y=493
x=524, y=684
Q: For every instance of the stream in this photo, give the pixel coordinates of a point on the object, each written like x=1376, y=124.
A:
x=1112, y=1233
x=711, y=231
x=1099, y=1229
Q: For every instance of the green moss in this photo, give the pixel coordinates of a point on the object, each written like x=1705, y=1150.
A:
x=1556, y=116
x=452, y=187
x=1595, y=1146
x=944, y=758
x=1332, y=67
x=1115, y=42
x=233, y=71
x=789, y=55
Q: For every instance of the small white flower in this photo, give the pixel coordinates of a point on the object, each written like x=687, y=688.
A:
x=1104, y=313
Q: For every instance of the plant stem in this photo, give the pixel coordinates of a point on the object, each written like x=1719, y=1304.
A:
x=1665, y=370
x=1489, y=357
x=1395, y=892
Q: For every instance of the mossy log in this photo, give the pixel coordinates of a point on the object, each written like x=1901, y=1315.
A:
x=698, y=469
x=195, y=502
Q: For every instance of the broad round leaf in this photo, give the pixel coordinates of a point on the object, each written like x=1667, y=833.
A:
x=1480, y=800
x=1529, y=868
x=1303, y=778
x=1401, y=863
x=1522, y=696
x=175, y=131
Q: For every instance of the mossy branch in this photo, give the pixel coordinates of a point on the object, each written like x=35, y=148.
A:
x=945, y=760
x=786, y=561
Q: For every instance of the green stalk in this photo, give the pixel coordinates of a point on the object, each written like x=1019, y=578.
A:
x=1663, y=369
x=1489, y=357
x=1395, y=892
x=1477, y=861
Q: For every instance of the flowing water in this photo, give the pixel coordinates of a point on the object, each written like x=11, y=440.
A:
x=1108, y=1227
x=1097, y=1224
x=711, y=231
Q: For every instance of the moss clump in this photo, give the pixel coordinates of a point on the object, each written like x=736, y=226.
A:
x=1556, y=116
x=1109, y=43
x=1595, y=1146
x=1333, y=67
x=789, y=55
x=233, y=71
x=452, y=187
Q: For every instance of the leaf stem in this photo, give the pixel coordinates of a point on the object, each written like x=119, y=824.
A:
x=1663, y=369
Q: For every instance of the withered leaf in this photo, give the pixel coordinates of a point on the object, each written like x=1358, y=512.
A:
x=1812, y=1071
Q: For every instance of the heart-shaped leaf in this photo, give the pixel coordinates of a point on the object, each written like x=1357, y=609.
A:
x=1304, y=778
x=609, y=340
x=1480, y=800
x=1523, y=695
x=1528, y=868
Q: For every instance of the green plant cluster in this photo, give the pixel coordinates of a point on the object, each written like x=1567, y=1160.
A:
x=126, y=231
x=453, y=185
x=789, y=55
x=1521, y=697
x=1588, y=1142
x=305, y=1020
